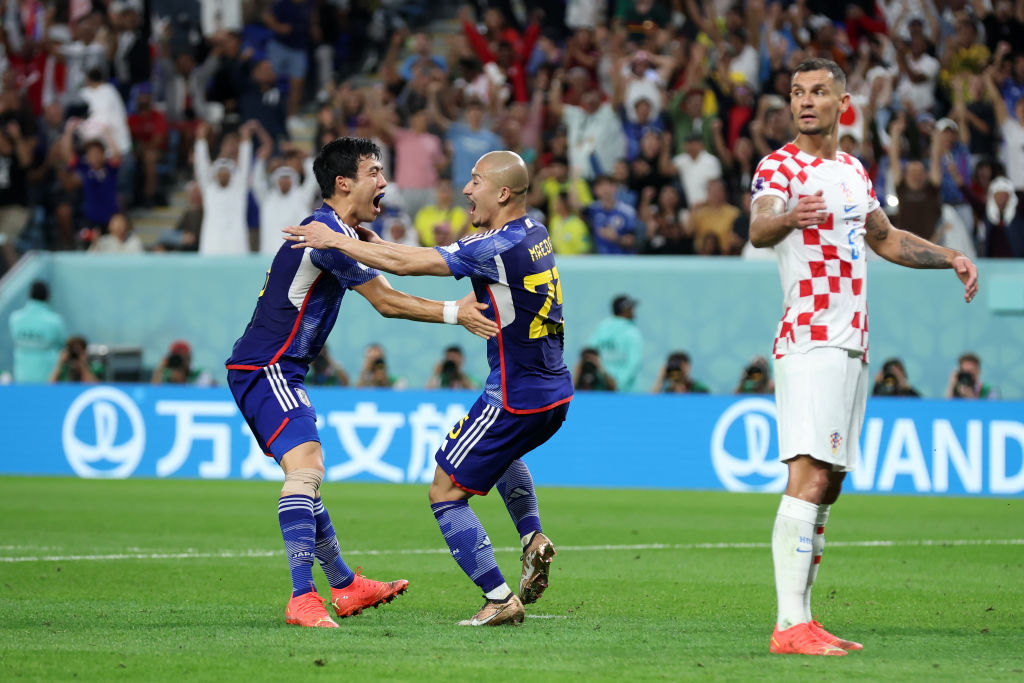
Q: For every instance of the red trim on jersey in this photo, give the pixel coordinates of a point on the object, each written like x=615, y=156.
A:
x=501, y=362
x=298, y=319
x=278, y=432
x=817, y=559
x=244, y=367
x=821, y=529
x=467, y=490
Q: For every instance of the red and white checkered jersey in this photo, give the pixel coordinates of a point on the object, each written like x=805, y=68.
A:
x=822, y=267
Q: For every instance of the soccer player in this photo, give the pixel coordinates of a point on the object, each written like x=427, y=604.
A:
x=296, y=310
x=816, y=206
x=527, y=393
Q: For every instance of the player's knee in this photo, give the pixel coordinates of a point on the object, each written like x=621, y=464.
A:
x=304, y=481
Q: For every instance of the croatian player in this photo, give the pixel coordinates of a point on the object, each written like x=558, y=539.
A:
x=295, y=311
x=816, y=206
x=527, y=393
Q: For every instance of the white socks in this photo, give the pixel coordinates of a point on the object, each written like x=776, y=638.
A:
x=818, y=547
x=792, y=553
x=499, y=593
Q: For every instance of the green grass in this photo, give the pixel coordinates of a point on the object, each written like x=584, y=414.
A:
x=922, y=611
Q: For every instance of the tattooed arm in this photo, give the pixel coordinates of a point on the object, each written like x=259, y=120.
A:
x=770, y=223
x=907, y=249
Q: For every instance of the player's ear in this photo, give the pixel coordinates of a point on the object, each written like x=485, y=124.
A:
x=342, y=184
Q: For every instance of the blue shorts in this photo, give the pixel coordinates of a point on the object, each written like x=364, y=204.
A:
x=478, y=450
x=274, y=403
x=287, y=62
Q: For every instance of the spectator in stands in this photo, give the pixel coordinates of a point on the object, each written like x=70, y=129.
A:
x=467, y=139
x=448, y=372
x=230, y=73
x=715, y=219
x=569, y=233
x=73, y=364
x=290, y=20
x=919, y=70
x=283, y=195
x=619, y=342
x=965, y=381
x=149, y=129
x=612, y=223
x=688, y=118
x=419, y=156
x=596, y=140
x=443, y=216
x=917, y=189
x=84, y=53
x=15, y=160
x=949, y=152
x=108, y=117
x=132, y=65
x=95, y=176
x=38, y=333
x=589, y=375
x=1002, y=232
x=1012, y=128
x=119, y=238
x=176, y=367
x=554, y=179
x=326, y=372
x=225, y=188
x=667, y=231
x=674, y=376
x=756, y=378
x=892, y=380
x=260, y=99
x=1003, y=23
x=696, y=167
x=638, y=125
x=652, y=166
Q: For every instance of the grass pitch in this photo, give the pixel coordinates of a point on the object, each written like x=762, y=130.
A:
x=173, y=580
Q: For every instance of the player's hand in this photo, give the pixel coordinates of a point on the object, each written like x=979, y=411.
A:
x=313, y=234
x=968, y=274
x=810, y=210
x=367, y=235
x=471, y=317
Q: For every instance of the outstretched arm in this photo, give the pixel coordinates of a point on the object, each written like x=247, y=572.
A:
x=907, y=249
x=387, y=256
x=392, y=303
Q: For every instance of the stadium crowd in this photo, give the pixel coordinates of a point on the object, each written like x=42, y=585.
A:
x=642, y=121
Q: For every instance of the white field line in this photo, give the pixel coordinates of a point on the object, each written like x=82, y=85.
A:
x=189, y=554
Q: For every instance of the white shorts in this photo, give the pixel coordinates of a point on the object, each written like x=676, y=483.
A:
x=820, y=398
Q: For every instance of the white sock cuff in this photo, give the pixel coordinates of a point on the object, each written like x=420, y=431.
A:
x=822, y=519
x=499, y=593
x=798, y=509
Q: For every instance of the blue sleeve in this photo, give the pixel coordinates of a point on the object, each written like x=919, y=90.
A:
x=350, y=273
x=473, y=256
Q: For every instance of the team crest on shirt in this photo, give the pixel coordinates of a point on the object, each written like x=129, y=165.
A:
x=848, y=196
x=835, y=439
x=301, y=393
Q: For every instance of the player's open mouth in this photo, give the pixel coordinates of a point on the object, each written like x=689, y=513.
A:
x=376, y=202
x=472, y=206
x=807, y=116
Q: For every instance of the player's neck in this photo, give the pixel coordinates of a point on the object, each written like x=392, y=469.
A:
x=345, y=212
x=823, y=146
x=507, y=215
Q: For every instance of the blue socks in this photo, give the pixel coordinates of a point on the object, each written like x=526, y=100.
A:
x=327, y=550
x=298, y=526
x=468, y=543
x=516, y=489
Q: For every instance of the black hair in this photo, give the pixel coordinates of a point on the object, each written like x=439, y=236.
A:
x=454, y=348
x=39, y=291
x=819, y=64
x=341, y=157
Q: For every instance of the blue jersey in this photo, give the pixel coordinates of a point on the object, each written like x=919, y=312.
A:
x=513, y=269
x=621, y=217
x=299, y=302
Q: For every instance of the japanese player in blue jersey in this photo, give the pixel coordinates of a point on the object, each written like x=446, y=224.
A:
x=296, y=309
x=527, y=393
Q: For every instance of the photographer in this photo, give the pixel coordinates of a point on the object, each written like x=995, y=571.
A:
x=892, y=380
x=325, y=372
x=176, y=367
x=73, y=363
x=448, y=373
x=589, y=375
x=375, y=373
x=755, y=378
x=965, y=381
x=674, y=377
